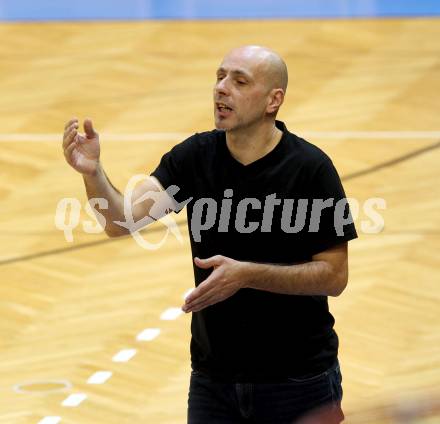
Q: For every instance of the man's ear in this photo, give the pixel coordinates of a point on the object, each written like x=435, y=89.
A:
x=276, y=99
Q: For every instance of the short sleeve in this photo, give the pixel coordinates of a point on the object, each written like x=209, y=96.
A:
x=330, y=220
x=175, y=169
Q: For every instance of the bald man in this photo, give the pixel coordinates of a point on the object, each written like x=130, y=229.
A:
x=269, y=226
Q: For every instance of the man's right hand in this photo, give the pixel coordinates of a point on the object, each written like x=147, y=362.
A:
x=81, y=151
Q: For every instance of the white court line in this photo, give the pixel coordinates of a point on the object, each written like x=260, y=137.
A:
x=148, y=334
x=50, y=420
x=124, y=355
x=58, y=137
x=390, y=135
x=99, y=377
x=74, y=399
x=170, y=314
x=173, y=136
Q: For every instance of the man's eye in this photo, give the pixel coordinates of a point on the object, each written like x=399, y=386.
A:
x=241, y=82
x=219, y=77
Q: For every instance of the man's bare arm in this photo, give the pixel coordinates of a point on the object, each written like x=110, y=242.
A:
x=325, y=275
x=82, y=152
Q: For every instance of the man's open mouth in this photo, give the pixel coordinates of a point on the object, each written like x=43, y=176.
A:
x=222, y=107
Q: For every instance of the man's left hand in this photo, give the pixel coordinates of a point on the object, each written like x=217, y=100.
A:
x=225, y=280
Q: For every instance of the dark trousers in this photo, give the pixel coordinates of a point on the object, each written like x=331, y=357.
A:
x=313, y=400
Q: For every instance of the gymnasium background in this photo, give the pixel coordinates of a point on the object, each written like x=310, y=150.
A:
x=90, y=327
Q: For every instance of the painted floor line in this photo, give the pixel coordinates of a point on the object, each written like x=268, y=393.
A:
x=73, y=400
x=99, y=377
x=50, y=419
x=148, y=334
x=171, y=136
x=170, y=314
x=124, y=355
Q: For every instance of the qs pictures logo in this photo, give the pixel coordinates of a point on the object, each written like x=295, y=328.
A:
x=67, y=216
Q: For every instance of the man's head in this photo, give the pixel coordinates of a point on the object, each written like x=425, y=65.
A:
x=251, y=84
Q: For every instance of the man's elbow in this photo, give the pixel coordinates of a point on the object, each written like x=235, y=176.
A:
x=340, y=282
x=113, y=233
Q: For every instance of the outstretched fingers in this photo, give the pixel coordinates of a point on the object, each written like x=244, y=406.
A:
x=70, y=122
x=69, y=135
x=68, y=152
x=203, y=303
x=88, y=128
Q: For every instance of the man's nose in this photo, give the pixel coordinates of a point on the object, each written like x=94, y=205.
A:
x=222, y=87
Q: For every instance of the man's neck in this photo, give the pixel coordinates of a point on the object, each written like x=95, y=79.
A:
x=252, y=143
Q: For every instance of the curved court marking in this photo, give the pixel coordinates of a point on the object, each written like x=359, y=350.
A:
x=26, y=386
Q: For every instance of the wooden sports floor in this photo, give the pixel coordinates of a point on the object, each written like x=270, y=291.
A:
x=365, y=91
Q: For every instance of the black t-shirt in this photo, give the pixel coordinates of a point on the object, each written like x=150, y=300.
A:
x=251, y=213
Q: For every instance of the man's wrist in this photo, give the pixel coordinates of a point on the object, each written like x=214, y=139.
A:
x=94, y=173
x=246, y=273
